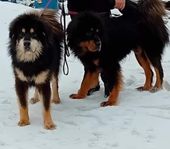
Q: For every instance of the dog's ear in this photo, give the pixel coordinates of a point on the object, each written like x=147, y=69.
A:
x=11, y=35
x=12, y=30
x=13, y=27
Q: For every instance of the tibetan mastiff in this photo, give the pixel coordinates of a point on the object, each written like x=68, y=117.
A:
x=101, y=41
x=35, y=47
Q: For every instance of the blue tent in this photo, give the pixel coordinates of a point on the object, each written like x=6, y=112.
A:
x=51, y=4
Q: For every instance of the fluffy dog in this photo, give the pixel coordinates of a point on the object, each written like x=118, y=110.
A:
x=101, y=42
x=35, y=49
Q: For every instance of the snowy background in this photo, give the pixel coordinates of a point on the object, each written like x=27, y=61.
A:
x=141, y=120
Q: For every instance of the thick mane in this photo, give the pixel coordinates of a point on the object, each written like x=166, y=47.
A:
x=50, y=17
x=154, y=8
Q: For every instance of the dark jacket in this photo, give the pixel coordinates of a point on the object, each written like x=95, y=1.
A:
x=90, y=5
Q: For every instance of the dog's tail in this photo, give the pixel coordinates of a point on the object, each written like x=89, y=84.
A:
x=153, y=12
x=51, y=17
x=152, y=8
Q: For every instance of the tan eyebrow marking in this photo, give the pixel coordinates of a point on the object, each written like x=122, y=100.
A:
x=31, y=30
x=23, y=30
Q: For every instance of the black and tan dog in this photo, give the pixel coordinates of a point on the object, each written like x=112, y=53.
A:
x=35, y=49
x=101, y=42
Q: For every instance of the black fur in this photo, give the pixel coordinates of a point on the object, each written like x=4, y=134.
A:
x=50, y=58
x=167, y=4
x=42, y=31
x=119, y=36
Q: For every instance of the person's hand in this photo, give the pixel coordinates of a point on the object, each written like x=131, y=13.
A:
x=120, y=4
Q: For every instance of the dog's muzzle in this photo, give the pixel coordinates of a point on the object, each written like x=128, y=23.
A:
x=27, y=44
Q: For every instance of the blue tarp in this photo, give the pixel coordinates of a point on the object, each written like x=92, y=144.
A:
x=51, y=4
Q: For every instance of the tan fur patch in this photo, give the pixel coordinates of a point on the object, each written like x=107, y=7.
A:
x=113, y=96
x=24, y=117
x=88, y=46
x=145, y=64
x=31, y=30
x=55, y=95
x=48, y=122
x=20, y=75
x=39, y=79
x=91, y=79
x=158, y=83
x=23, y=30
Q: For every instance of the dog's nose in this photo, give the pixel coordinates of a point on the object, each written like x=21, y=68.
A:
x=27, y=45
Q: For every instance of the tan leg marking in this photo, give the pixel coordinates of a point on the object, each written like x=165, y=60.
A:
x=88, y=46
x=145, y=64
x=113, y=97
x=24, y=118
x=90, y=80
x=158, y=83
x=55, y=95
x=48, y=122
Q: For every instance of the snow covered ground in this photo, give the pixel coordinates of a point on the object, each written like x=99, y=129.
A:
x=141, y=120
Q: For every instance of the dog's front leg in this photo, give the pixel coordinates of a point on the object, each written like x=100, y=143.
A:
x=55, y=95
x=22, y=93
x=113, y=84
x=35, y=98
x=45, y=94
x=89, y=81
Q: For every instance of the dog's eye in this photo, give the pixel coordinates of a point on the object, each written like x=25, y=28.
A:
x=21, y=35
x=92, y=29
x=97, y=30
x=34, y=35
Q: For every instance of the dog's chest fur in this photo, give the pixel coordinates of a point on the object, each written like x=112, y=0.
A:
x=36, y=72
x=39, y=78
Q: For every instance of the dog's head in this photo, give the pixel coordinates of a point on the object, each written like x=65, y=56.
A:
x=31, y=34
x=85, y=33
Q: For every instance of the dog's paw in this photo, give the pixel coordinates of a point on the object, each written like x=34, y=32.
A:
x=150, y=89
x=49, y=125
x=92, y=90
x=77, y=96
x=34, y=100
x=56, y=100
x=107, y=103
x=143, y=88
x=23, y=123
x=154, y=89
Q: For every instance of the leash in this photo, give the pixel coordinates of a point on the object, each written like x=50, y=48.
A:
x=74, y=13
x=63, y=23
x=66, y=50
